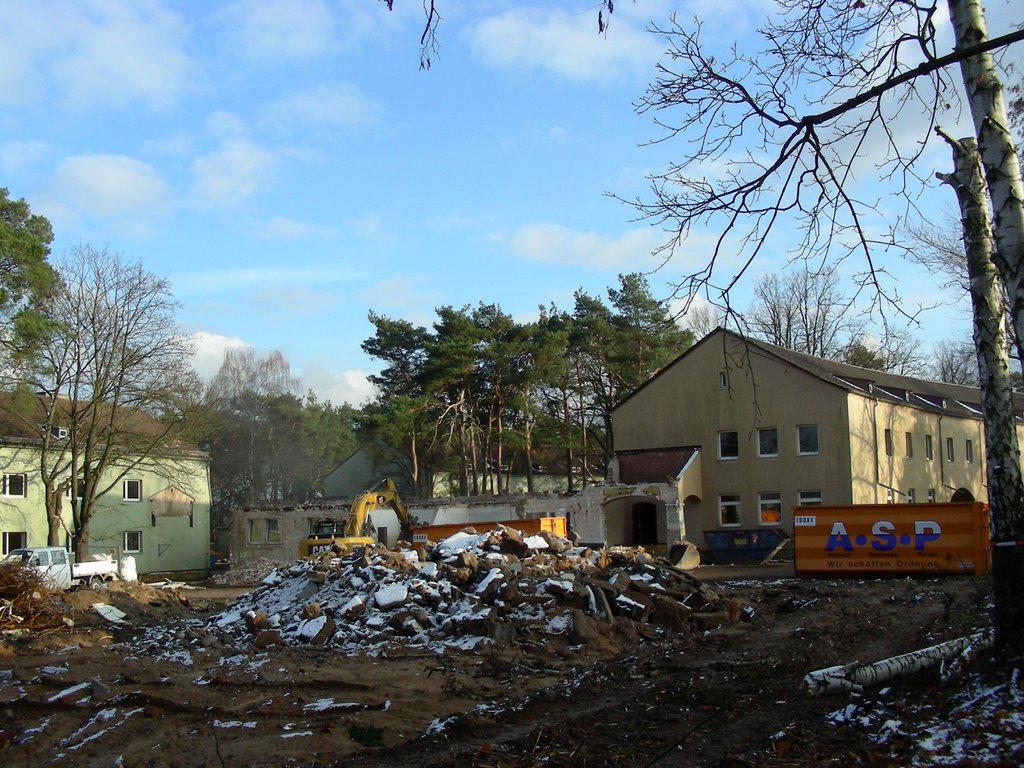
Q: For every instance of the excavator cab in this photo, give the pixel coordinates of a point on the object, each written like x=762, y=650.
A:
x=357, y=530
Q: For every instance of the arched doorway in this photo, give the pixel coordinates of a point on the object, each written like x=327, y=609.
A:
x=634, y=520
x=961, y=495
x=645, y=524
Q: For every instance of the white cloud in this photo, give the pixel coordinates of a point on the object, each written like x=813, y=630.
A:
x=178, y=144
x=93, y=54
x=323, y=106
x=230, y=173
x=209, y=352
x=565, y=44
x=368, y=226
x=269, y=30
x=17, y=156
x=220, y=280
x=556, y=244
x=225, y=125
x=284, y=228
x=288, y=302
x=109, y=186
x=402, y=292
x=345, y=386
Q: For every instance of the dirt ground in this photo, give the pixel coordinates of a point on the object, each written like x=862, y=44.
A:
x=104, y=694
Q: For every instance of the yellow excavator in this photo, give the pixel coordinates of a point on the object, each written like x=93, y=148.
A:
x=357, y=530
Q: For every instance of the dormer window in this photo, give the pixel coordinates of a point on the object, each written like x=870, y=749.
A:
x=58, y=433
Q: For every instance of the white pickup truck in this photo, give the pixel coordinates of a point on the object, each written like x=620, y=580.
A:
x=54, y=563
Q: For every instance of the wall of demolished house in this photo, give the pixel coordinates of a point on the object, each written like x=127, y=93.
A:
x=600, y=515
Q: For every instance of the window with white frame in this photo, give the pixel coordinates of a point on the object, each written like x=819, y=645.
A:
x=15, y=540
x=80, y=485
x=768, y=442
x=769, y=508
x=264, y=530
x=729, y=509
x=131, y=490
x=931, y=495
x=807, y=439
x=132, y=541
x=15, y=485
x=911, y=496
x=729, y=445
x=949, y=449
x=58, y=433
x=809, y=498
x=929, y=452
x=968, y=451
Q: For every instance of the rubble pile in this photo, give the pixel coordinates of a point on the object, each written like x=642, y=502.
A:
x=242, y=574
x=472, y=588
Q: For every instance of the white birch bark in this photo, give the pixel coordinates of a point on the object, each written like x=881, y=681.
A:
x=856, y=677
x=1006, y=192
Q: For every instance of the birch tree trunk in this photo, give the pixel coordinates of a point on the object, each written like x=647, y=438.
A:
x=1006, y=192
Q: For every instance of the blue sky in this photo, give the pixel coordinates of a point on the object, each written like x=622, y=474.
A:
x=289, y=168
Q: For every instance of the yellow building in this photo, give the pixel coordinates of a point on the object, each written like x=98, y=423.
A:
x=748, y=430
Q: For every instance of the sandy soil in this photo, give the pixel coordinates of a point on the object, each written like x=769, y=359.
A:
x=120, y=694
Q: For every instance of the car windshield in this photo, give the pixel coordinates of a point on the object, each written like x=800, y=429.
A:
x=17, y=556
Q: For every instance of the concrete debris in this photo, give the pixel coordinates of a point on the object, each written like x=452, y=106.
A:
x=471, y=589
x=244, y=574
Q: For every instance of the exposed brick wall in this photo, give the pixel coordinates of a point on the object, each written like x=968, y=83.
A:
x=655, y=466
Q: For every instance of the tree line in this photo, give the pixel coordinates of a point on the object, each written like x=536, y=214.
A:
x=96, y=364
x=480, y=395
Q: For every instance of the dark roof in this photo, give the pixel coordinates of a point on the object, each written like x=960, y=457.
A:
x=954, y=399
x=22, y=417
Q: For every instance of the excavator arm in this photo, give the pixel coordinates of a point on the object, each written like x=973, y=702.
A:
x=356, y=532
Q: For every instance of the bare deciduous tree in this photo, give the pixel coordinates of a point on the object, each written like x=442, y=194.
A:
x=804, y=311
x=955, y=361
x=113, y=383
x=870, y=66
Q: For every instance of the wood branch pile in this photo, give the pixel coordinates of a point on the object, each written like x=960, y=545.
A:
x=492, y=587
x=25, y=601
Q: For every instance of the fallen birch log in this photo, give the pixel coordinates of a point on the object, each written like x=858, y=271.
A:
x=855, y=677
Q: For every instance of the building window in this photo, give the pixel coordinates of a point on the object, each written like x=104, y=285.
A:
x=767, y=442
x=931, y=495
x=131, y=490
x=807, y=439
x=949, y=449
x=809, y=498
x=729, y=445
x=132, y=541
x=769, y=507
x=723, y=380
x=14, y=540
x=264, y=530
x=908, y=440
x=911, y=496
x=929, y=453
x=888, y=495
x=888, y=442
x=729, y=509
x=59, y=433
x=968, y=451
x=15, y=485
